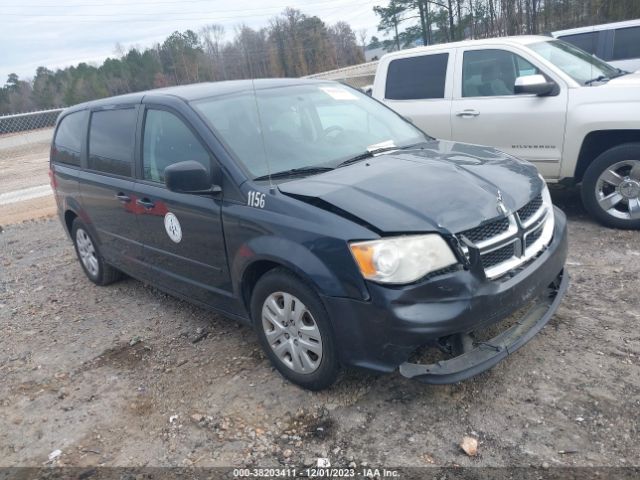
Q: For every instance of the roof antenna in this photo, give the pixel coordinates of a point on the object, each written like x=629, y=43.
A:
x=272, y=187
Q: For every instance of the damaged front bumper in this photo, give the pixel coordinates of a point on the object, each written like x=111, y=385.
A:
x=488, y=353
x=384, y=332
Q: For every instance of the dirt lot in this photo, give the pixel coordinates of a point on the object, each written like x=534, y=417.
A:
x=127, y=376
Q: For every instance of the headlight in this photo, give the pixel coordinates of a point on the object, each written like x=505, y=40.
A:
x=402, y=259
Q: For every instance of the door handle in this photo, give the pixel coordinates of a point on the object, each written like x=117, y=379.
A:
x=123, y=198
x=468, y=113
x=146, y=203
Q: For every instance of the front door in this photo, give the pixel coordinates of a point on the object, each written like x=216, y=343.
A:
x=181, y=233
x=486, y=111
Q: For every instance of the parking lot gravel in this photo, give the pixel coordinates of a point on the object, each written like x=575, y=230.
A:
x=127, y=376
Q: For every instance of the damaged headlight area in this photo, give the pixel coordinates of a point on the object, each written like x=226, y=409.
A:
x=403, y=259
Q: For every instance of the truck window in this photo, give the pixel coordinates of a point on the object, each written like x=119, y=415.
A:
x=417, y=78
x=626, y=43
x=491, y=73
x=167, y=140
x=585, y=41
x=68, y=141
x=111, y=140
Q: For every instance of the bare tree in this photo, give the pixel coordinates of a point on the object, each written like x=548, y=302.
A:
x=363, y=35
x=212, y=37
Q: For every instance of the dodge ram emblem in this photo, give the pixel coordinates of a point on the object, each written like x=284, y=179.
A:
x=500, y=206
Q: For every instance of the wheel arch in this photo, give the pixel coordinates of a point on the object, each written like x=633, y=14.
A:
x=599, y=141
x=250, y=277
x=69, y=217
x=263, y=254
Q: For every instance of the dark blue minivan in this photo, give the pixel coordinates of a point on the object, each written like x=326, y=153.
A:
x=345, y=235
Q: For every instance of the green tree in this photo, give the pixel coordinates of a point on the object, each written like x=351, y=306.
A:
x=390, y=18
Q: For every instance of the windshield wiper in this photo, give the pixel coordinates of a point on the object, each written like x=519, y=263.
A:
x=373, y=152
x=294, y=172
x=601, y=78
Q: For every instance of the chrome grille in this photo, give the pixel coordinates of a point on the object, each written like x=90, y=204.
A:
x=533, y=237
x=487, y=230
x=526, y=212
x=507, y=243
x=498, y=256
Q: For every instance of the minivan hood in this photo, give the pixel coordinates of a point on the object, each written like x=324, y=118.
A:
x=444, y=186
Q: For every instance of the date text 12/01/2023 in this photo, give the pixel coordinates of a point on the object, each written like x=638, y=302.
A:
x=315, y=472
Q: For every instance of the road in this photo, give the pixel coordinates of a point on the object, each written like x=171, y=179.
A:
x=24, y=182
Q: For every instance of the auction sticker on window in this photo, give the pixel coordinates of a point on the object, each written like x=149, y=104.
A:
x=172, y=226
x=338, y=93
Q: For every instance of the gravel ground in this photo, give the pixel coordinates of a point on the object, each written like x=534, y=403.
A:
x=127, y=376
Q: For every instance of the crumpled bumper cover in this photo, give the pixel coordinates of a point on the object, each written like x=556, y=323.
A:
x=490, y=352
x=383, y=332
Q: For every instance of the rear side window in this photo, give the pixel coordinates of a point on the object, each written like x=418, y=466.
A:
x=111, y=141
x=68, y=141
x=626, y=43
x=417, y=78
x=586, y=41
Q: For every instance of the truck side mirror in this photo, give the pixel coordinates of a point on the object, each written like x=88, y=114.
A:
x=533, y=84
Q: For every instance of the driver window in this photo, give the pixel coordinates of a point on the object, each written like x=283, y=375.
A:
x=167, y=140
x=492, y=73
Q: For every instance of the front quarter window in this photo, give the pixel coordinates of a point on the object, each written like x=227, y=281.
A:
x=576, y=63
x=492, y=72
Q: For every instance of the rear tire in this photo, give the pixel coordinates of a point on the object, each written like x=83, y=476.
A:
x=294, y=330
x=611, y=187
x=91, y=260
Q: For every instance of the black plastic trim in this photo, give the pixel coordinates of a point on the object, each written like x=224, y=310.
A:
x=489, y=353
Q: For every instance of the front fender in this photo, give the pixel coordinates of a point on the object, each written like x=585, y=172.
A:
x=615, y=108
x=300, y=260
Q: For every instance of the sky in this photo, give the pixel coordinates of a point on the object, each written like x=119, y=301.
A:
x=59, y=33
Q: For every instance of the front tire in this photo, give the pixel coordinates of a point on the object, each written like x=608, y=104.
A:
x=92, y=262
x=294, y=330
x=611, y=187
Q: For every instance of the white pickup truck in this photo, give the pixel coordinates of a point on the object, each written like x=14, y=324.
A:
x=574, y=116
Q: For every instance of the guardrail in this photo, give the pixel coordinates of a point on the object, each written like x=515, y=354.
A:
x=24, y=122
x=358, y=76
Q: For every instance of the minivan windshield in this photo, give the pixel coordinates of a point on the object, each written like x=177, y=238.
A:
x=578, y=64
x=304, y=129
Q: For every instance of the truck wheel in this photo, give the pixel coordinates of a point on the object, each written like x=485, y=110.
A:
x=94, y=266
x=611, y=187
x=294, y=330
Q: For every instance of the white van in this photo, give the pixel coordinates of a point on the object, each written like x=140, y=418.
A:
x=617, y=43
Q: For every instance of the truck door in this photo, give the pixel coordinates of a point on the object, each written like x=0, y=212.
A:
x=418, y=87
x=486, y=111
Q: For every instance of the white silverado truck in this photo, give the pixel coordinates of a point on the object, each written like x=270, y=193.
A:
x=574, y=116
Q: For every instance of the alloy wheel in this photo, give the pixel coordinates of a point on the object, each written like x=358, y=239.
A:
x=87, y=252
x=618, y=190
x=291, y=332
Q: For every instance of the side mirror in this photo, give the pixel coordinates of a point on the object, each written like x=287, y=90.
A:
x=533, y=84
x=188, y=177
